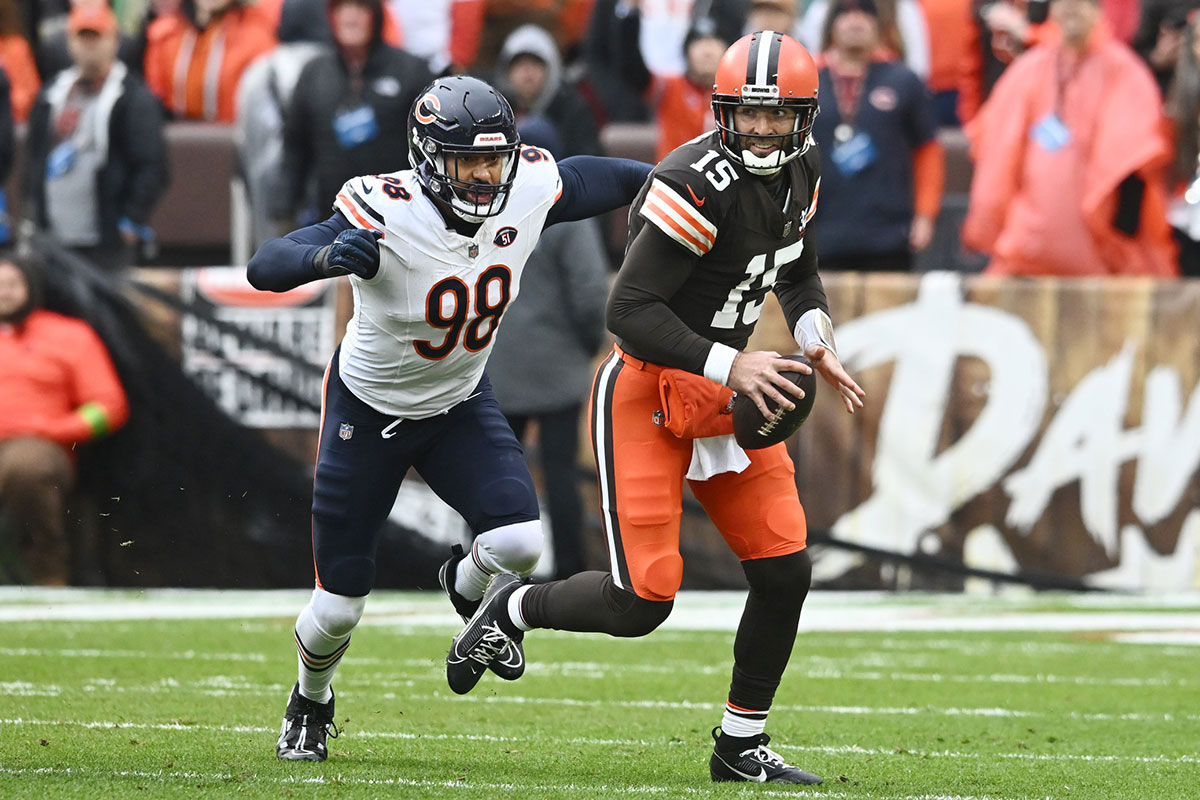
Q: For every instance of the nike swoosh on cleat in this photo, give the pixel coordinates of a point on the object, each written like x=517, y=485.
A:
x=515, y=658
x=695, y=199
x=761, y=777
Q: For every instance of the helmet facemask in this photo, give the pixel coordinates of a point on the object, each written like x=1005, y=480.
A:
x=791, y=145
x=765, y=69
x=459, y=117
x=471, y=200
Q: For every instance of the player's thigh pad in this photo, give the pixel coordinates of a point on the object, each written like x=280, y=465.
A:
x=757, y=510
x=357, y=475
x=511, y=548
x=477, y=466
x=641, y=467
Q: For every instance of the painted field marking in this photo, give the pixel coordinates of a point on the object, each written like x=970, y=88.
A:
x=854, y=750
x=475, y=787
x=592, y=741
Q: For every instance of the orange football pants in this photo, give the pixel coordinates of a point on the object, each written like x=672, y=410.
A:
x=642, y=467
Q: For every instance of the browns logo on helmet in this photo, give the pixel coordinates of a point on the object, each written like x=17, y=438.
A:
x=770, y=69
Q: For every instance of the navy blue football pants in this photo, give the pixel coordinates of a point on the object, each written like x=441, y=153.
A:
x=468, y=456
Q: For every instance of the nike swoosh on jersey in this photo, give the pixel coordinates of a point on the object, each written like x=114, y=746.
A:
x=367, y=189
x=695, y=199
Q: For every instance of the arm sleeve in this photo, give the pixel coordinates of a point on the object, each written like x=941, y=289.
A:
x=592, y=185
x=100, y=403
x=654, y=269
x=798, y=287
x=287, y=262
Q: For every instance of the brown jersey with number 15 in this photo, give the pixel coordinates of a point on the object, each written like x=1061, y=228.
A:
x=744, y=235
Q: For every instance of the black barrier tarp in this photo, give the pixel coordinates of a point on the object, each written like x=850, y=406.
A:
x=183, y=495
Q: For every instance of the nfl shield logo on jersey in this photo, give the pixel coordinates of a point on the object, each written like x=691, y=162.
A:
x=345, y=430
x=473, y=250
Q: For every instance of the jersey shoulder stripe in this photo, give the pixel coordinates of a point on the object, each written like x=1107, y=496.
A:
x=355, y=207
x=678, y=218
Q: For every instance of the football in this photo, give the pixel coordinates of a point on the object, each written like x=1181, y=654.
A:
x=753, y=432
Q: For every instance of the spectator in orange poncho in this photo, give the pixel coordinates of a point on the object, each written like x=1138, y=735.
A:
x=1068, y=153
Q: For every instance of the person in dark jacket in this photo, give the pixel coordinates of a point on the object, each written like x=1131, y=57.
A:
x=349, y=113
x=529, y=73
x=97, y=158
x=7, y=152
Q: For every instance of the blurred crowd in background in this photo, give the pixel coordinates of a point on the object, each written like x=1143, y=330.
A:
x=1081, y=115
x=1081, y=119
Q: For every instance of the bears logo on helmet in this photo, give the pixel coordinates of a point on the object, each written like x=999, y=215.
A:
x=456, y=117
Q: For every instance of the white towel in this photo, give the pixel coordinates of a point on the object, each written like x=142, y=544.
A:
x=713, y=455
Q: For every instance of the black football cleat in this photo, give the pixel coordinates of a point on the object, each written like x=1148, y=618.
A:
x=510, y=664
x=306, y=726
x=480, y=643
x=756, y=762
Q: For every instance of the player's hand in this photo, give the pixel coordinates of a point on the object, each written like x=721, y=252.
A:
x=827, y=364
x=756, y=375
x=353, y=252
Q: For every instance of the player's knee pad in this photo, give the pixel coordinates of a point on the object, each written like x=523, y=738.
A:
x=511, y=548
x=782, y=578
x=336, y=614
x=662, y=577
x=635, y=616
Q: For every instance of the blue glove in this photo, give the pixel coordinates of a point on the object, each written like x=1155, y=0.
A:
x=353, y=252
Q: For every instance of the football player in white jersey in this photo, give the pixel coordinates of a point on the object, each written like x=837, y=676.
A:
x=434, y=255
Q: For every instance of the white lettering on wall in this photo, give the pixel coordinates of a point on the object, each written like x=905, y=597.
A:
x=916, y=488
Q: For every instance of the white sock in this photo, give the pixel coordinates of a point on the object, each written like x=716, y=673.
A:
x=741, y=722
x=470, y=579
x=319, y=651
x=514, y=608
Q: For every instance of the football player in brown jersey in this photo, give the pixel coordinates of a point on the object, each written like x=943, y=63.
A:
x=719, y=223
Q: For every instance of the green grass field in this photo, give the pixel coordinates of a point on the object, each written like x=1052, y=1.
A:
x=190, y=707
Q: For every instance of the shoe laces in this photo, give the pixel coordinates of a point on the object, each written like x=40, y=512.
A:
x=490, y=644
x=766, y=755
x=330, y=726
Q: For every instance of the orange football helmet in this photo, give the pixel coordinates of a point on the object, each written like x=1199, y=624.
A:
x=765, y=68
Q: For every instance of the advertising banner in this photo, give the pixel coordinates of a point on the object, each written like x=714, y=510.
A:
x=1039, y=425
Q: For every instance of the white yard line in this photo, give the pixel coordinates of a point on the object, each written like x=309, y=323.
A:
x=586, y=741
x=477, y=787
x=403, y=692
x=824, y=669
x=716, y=611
